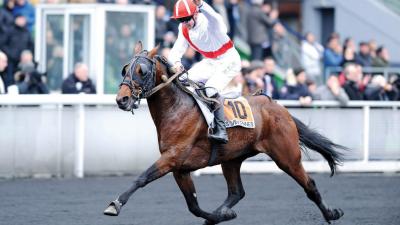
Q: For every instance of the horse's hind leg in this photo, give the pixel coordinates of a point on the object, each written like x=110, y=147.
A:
x=231, y=171
x=185, y=183
x=291, y=164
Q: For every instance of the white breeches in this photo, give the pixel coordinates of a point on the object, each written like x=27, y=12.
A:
x=218, y=72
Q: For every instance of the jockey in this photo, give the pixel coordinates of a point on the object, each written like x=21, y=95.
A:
x=203, y=29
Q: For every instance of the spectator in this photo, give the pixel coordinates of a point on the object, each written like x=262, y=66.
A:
x=382, y=57
x=6, y=21
x=349, y=43
x=79, y=81
x=27, y=78
x=259, y=25
x=23, y=7
x=19, y=39
x=272, y=83
x=353, y=79
x=161, y=24
x=298, y=90
x=220, y=8
x=395, y=81
x=372, y=48
x=238, y=11
x=349, y=56
x=312, y=53
x=254, y=77
x=333, y=53
x=3, y=66
x=189, y=58
x=380, y=90
x=331, y=91
x=364, y=55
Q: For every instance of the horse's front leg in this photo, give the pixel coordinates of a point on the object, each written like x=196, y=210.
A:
x=185, y=183
x=161, y=167
x=231, y=171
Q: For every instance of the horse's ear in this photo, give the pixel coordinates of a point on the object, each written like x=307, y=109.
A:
x=124, y=68
x=138, y=47
x=154, y=51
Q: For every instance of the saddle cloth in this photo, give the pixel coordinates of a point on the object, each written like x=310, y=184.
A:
x=238, y=113
x=236, y=109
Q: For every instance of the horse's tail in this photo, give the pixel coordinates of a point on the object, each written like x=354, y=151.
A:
x=313, y=140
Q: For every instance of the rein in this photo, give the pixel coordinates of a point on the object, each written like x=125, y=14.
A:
x=165, y=82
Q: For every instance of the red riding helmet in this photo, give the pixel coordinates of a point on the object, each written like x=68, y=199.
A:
x=184, y=8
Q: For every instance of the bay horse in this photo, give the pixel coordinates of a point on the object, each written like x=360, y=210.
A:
x=184, y=146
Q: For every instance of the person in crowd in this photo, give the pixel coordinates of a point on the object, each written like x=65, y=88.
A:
x=364, y=55
x=372, y=48
x=3, y=66
x=17, y=40
x=220, y=8
x=331, y=91
x=79, y=81
x=382, y=57
x=349, y=56
x=161, y=24
x=272, y=83
x=259, y=26
x=311, y=54
x=23, y=7
x=6, y=22
x=349, y=43
x=298, y=90
x=332, y=53
x=206, y=33
x=395, y=81
x=254, y=77
x=27, y=78
x=189, y=58
x=353, y=80
x=380, y=90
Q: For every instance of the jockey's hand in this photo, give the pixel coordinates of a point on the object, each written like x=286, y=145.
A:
x=198, y=2
x=178, y=67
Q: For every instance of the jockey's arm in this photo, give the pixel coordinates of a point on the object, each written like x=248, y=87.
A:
x=213, y=17
x=177, y=51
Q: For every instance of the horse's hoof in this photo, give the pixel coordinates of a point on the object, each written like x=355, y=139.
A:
x=113, y=209
x=221, y=214
x=334, y=214
x=225, y=214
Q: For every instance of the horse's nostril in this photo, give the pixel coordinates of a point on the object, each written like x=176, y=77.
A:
x=125, y=99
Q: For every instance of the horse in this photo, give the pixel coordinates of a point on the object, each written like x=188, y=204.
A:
x=185, y=147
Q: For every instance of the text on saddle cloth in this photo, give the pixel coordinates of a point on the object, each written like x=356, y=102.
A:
x=238, y=113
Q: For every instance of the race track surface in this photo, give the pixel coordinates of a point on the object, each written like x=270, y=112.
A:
x=271, y=199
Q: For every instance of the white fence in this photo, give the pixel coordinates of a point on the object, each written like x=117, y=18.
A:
x=65, y=135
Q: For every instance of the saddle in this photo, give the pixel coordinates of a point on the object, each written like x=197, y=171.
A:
x=237, y=109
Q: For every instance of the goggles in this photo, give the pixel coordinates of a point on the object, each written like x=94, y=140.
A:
x=185, y=19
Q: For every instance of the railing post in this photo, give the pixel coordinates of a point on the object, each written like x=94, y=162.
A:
x=366, y=110
x=79, y=141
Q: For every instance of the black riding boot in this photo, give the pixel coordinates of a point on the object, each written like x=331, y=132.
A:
x=219, y=132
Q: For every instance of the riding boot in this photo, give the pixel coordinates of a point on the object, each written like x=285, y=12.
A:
x=219, y=133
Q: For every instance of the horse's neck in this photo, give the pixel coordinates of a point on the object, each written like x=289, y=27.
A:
x=168, y=103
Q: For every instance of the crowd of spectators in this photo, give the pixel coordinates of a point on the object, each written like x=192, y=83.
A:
x=326, y=71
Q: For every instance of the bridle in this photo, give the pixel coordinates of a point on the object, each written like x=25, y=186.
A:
x=144, y=84
x=145, y=87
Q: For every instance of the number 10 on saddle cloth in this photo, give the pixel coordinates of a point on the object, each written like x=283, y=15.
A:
x=238, y=113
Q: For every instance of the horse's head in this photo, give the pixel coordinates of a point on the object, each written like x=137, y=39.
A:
x=140, y=76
